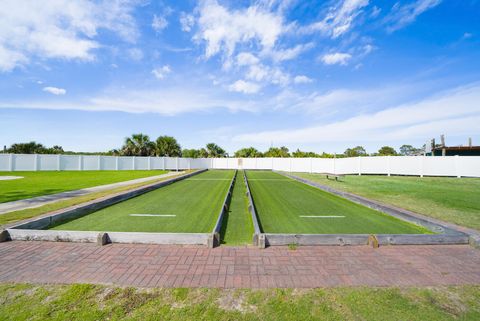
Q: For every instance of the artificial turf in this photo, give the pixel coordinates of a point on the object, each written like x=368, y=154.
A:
x=280, y=202
x=450, y=199
x=51, y=182
x=237, y=226
x=196, y=203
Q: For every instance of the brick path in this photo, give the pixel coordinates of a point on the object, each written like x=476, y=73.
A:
x=173, y=266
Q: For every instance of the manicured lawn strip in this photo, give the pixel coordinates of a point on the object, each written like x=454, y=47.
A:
x=237, y=226
x=95, y=302
x=51, y=182
x=12, y=217
x=281, y=201
x=195, y=202
x=450, y=199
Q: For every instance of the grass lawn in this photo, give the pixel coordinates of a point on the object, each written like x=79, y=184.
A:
x=453, y=200
x=194, y=203
x=95, y=302
x=237, y=226
x=281, y=201
x=44, y=183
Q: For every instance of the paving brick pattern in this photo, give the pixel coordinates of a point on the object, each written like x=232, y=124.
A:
x=238, y=267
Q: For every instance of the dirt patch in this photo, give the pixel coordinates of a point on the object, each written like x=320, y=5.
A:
x=232, y=300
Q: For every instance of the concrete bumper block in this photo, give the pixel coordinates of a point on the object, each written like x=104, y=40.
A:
x=474, y=240
x=4, y=236
x=102, y=239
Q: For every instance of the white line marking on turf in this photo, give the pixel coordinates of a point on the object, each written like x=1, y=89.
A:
x=268, y=179
x=322, y=216
x=208, y=179
x=155, y=215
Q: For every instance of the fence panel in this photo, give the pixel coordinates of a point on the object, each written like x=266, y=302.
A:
x=5, y=162
x=395, y=165
x=69, y=163
x=47, y=162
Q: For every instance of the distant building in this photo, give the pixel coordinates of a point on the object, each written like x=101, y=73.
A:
x=441, y=149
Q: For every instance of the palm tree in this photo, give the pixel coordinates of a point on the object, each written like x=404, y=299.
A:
x=214, y=150
x=138, y=145
x=248, y=152
x=168, y=146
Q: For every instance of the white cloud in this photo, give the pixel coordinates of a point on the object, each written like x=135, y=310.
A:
x=245, y=87
x=338, y=20
x=246, y=59
x=136, y=54
x=262, y=73
x=161, y=72
x=223, y=30
x=54, y=90
x=336, y=58
x=187, y=21
x=63, y=29
x=301, y=79
x=159, y=23
x=401, y=16
x=375, y=12
x=290, y=53
x=426, y=119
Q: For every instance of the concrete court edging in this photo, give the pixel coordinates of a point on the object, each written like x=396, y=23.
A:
x=448, y=235
x=112, y=237
x=216, y=237
x=31, y=229
x=258, y=237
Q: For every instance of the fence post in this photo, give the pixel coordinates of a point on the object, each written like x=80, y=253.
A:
x=99, y=164
x=35, y=165
x=256, y=165
x=334, y=168
x=176, y=163
x=290, y=164
x=457, y=166
x=272, y=163
x=189, y=163
x=80, y=162
x=388, y=165
x=149, y=163
x=133, y=163
x=116, y=163
x=58, y=162
x=359, y=165
x=422, y=159
x=311, y=165
x=10, y=162
x=163, y=161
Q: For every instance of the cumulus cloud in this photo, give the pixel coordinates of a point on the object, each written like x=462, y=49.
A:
x=222, y=30
x=337, y=58
x=247, y=59
x=159, y=23
x=54, y=90
x=339, y=18
x=186, y=21
x=161, y=72
x=63, y=29
x=301, y=79
x=425, y=118
x=402, y=15
x=245, y=87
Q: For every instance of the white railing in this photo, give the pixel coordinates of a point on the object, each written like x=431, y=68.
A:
x=456, y=166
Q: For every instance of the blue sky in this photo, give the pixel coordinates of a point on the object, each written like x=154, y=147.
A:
x=314, y=75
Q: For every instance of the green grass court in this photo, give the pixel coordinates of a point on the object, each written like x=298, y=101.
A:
x=51, y=182
x=454, y=200
x=287, y=206
x=188, y=206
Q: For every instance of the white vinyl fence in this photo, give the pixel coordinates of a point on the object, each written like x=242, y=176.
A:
x=456, y=166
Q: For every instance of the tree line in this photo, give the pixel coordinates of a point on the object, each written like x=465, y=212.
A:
x=142, y=145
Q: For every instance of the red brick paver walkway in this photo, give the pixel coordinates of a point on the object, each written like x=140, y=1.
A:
x=172, y=266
